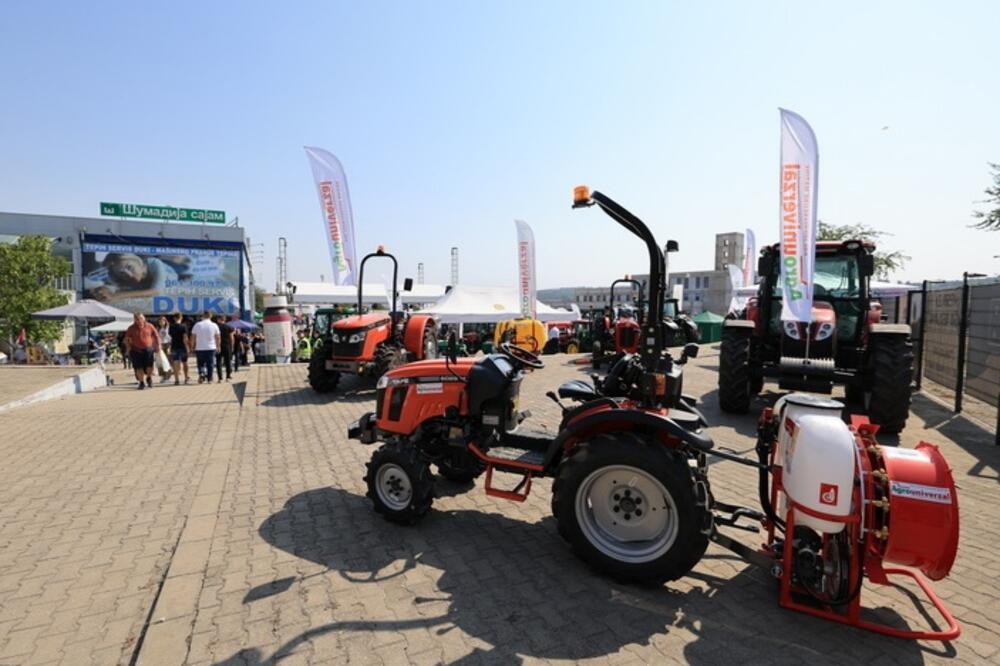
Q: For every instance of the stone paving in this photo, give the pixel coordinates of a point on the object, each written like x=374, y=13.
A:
x=178, y=526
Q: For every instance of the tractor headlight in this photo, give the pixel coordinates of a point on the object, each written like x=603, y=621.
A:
x=356, y=337
x=792, y=330
x=825, y=331
x=382, y=382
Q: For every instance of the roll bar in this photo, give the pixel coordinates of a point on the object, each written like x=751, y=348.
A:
x=380, y=252
x=635, y=283
x=652, y=338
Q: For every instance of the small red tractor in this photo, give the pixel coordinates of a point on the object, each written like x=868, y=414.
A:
x=616, y=333
x=844, y=344
x=369, y=344
x=631, y=493
x=631, y=490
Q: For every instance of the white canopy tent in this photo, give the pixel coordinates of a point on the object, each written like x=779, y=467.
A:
x=326, y=293
x=465, y=304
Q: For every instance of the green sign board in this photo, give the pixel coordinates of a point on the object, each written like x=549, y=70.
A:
x=163, y=213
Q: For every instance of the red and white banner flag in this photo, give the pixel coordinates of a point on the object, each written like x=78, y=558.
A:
x=338, y=219
x=526, y=284
x=799, y=172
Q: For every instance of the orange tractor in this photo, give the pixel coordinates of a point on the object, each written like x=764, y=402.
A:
x=369, y=344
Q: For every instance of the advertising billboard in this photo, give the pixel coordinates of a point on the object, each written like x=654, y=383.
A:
x=157, y=278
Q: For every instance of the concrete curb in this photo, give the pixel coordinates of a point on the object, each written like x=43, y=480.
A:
x=88, y=380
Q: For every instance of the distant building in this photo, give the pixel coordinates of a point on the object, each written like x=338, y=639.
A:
x=706, y=290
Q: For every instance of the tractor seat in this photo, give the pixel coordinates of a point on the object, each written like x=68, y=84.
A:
x=577, y=389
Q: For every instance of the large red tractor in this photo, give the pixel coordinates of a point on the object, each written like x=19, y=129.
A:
x=369, y=344
x=844, y=344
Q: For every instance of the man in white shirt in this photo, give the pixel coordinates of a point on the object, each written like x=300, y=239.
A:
x=207, y=339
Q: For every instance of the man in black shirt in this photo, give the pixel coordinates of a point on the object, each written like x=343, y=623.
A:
x=180, y=347
x=224, y=355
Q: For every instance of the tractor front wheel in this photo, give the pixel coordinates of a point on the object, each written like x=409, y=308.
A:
x=735, y=387
x=320, y=379
x=400, y=483
x=629, y=509
x=891, y=374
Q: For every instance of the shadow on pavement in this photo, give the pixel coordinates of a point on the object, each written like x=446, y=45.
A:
x=966, y=433
x=517, y=587
x=350, y=389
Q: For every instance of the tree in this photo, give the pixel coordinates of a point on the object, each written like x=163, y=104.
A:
x=28, y=270
x=886, y=263
x=258, y=299
x=990, y=220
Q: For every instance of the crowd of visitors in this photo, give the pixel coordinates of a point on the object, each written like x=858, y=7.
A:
x=219, y=348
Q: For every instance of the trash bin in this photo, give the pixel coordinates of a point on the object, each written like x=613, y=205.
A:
x=709, y=326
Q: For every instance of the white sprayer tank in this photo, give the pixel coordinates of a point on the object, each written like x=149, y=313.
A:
x=817, y=453
x=278, y=341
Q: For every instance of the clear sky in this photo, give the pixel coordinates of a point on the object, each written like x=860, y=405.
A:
x=452, y=119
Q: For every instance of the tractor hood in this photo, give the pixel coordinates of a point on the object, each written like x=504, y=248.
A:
x=365, y=321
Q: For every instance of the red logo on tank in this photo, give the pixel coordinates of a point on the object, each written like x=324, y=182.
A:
x=828, y=493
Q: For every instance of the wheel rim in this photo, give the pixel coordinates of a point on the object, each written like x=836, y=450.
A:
x=572, y=349
x=430, y=348
x=393, y=486
x=611, y=493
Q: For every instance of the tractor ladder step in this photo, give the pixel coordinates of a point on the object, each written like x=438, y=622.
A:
x=515, y=461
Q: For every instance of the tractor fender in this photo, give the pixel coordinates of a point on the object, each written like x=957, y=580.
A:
x=739, y=323
x=413, y=336
x=890, y=329
x=630, y=420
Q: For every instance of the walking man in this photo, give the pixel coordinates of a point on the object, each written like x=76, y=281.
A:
x=224, y=355
x=207, y=339
x=180, y=347
x=141, y=342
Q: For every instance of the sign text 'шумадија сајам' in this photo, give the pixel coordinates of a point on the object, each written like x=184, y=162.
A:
x=199, y=215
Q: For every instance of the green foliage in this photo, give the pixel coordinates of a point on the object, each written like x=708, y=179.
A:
x=886, y=263
x=27, y=272
x=258, y=299
x=990, y=219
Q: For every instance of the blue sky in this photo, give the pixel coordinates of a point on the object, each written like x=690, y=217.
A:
x=452, y=119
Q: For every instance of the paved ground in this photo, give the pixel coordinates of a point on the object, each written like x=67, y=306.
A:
x=20, y=381
x=177, y=526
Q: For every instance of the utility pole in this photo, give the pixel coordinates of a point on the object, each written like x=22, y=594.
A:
x=254, y=254
x=454, y=266
x=420, y=273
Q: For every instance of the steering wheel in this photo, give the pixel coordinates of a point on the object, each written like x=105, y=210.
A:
x=521, y=355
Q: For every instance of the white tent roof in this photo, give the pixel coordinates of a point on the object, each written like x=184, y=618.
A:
x=326, y=293
x=465, y=304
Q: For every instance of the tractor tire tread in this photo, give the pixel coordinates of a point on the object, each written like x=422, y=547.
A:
x=891, y=376
x=421, y=480
x=320, y=379
x=735, y=385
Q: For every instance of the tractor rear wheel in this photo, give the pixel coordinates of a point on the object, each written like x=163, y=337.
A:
x=735, y=387
x=321, y=379
x=891, y=374
x=400, y=483
x=572, y=347
x=629, y=508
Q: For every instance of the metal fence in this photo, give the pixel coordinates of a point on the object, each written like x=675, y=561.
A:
x=956, y=334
